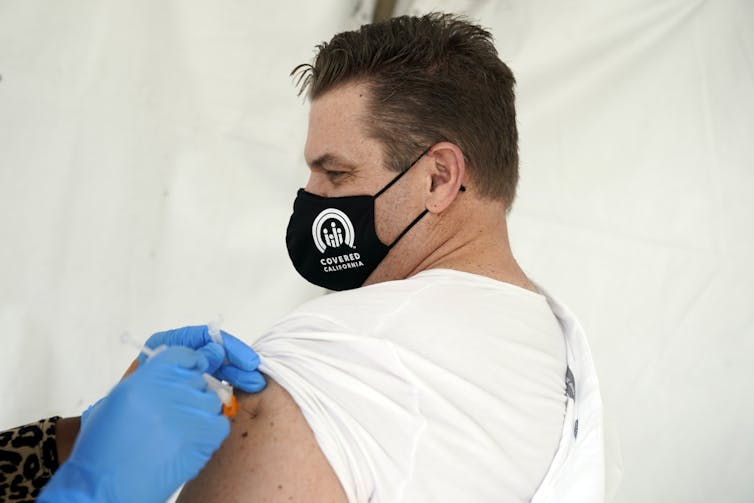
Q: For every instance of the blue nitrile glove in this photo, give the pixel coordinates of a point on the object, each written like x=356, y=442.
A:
x=213, y=352
x=240, y=370
x=154, y=431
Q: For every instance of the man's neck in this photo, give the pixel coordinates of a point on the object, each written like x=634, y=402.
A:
x=487, y=254
x=477, y=245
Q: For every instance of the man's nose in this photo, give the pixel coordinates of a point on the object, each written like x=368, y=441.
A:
x=316, y=185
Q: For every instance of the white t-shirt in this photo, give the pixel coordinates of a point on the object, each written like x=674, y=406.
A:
x=446, y=386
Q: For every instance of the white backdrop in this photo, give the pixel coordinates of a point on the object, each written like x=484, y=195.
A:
x=150, y=152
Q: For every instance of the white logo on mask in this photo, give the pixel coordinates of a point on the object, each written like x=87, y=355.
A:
x=331, y=229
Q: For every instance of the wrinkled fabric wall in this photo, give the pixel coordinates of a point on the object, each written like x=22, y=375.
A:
x=150, y=151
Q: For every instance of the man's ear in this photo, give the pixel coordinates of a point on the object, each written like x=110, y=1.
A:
x=446, y=176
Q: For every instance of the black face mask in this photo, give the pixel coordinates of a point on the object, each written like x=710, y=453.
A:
x=332, y=241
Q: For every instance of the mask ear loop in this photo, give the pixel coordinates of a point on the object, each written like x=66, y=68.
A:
x=421, y=215
x=392, y=182
x=414, y=222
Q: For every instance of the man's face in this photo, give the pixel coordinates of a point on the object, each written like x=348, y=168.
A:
x=342, y=159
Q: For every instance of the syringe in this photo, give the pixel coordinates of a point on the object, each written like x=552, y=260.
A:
x=222, y=389
x=213, y=329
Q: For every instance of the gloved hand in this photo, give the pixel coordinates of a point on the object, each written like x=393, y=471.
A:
x=154, y=431
x=240, y=370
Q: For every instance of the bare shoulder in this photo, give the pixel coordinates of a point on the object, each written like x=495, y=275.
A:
x=270, y=455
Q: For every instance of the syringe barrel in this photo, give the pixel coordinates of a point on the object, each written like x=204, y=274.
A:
x=223, y=390
x=213, y=329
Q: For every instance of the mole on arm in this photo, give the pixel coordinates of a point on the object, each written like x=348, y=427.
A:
x=270, y=455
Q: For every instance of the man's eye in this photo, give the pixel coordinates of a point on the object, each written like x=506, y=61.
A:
x=335, y=175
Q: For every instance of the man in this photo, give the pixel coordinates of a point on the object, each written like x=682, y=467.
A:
x=439, y=373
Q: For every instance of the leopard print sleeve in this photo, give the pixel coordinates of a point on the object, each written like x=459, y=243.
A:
x=28, y=459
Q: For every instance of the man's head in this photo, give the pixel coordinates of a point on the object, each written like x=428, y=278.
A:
x=435, y=78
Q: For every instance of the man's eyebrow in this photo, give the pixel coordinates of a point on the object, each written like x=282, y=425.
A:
x=329, y=159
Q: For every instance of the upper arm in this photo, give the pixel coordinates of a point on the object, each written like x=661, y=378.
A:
x=270, y=455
